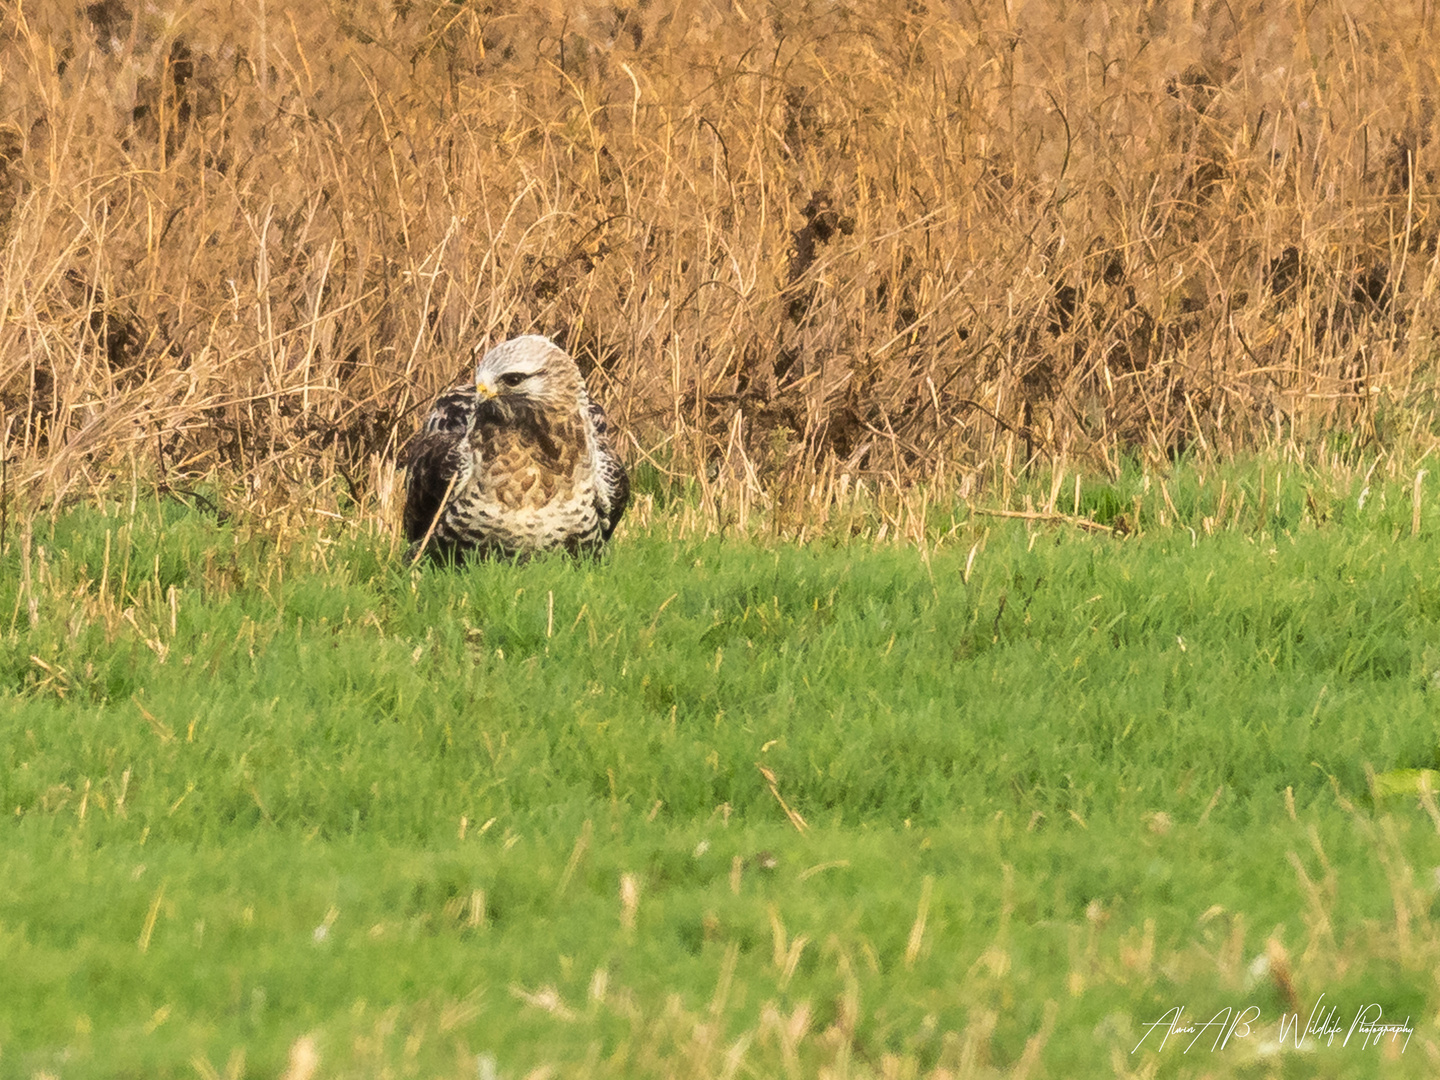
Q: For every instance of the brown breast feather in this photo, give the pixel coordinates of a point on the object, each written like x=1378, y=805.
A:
x=528, y=467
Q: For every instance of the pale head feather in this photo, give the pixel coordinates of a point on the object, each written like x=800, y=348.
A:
x=529, y=367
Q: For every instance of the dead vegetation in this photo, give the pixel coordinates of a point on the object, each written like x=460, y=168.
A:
x=793, y=245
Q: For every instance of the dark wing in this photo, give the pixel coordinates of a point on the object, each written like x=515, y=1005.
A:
x=612, y=482
x=452, y=411
x=434, y=458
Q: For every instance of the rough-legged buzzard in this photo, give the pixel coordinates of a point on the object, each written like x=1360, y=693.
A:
x=520, y=461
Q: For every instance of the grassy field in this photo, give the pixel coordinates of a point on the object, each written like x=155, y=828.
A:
x=990, y=804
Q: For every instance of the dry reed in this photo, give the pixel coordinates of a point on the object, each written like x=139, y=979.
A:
x=794, y=246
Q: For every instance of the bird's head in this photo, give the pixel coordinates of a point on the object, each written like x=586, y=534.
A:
x=527, y=372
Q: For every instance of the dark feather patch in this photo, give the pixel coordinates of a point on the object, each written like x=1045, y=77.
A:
x=432, y=459
x=612, y=481
x=452, y=410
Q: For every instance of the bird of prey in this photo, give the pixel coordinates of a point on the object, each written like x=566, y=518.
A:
x=519, y=461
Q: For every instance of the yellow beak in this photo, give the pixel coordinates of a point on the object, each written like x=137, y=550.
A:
x=484, y=391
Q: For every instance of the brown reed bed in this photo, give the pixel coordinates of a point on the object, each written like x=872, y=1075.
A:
x=795, y=247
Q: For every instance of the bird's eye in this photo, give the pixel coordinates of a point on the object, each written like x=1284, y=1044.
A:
x=513, y=378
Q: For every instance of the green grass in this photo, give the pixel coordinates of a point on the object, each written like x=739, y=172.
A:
x=452, y=822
